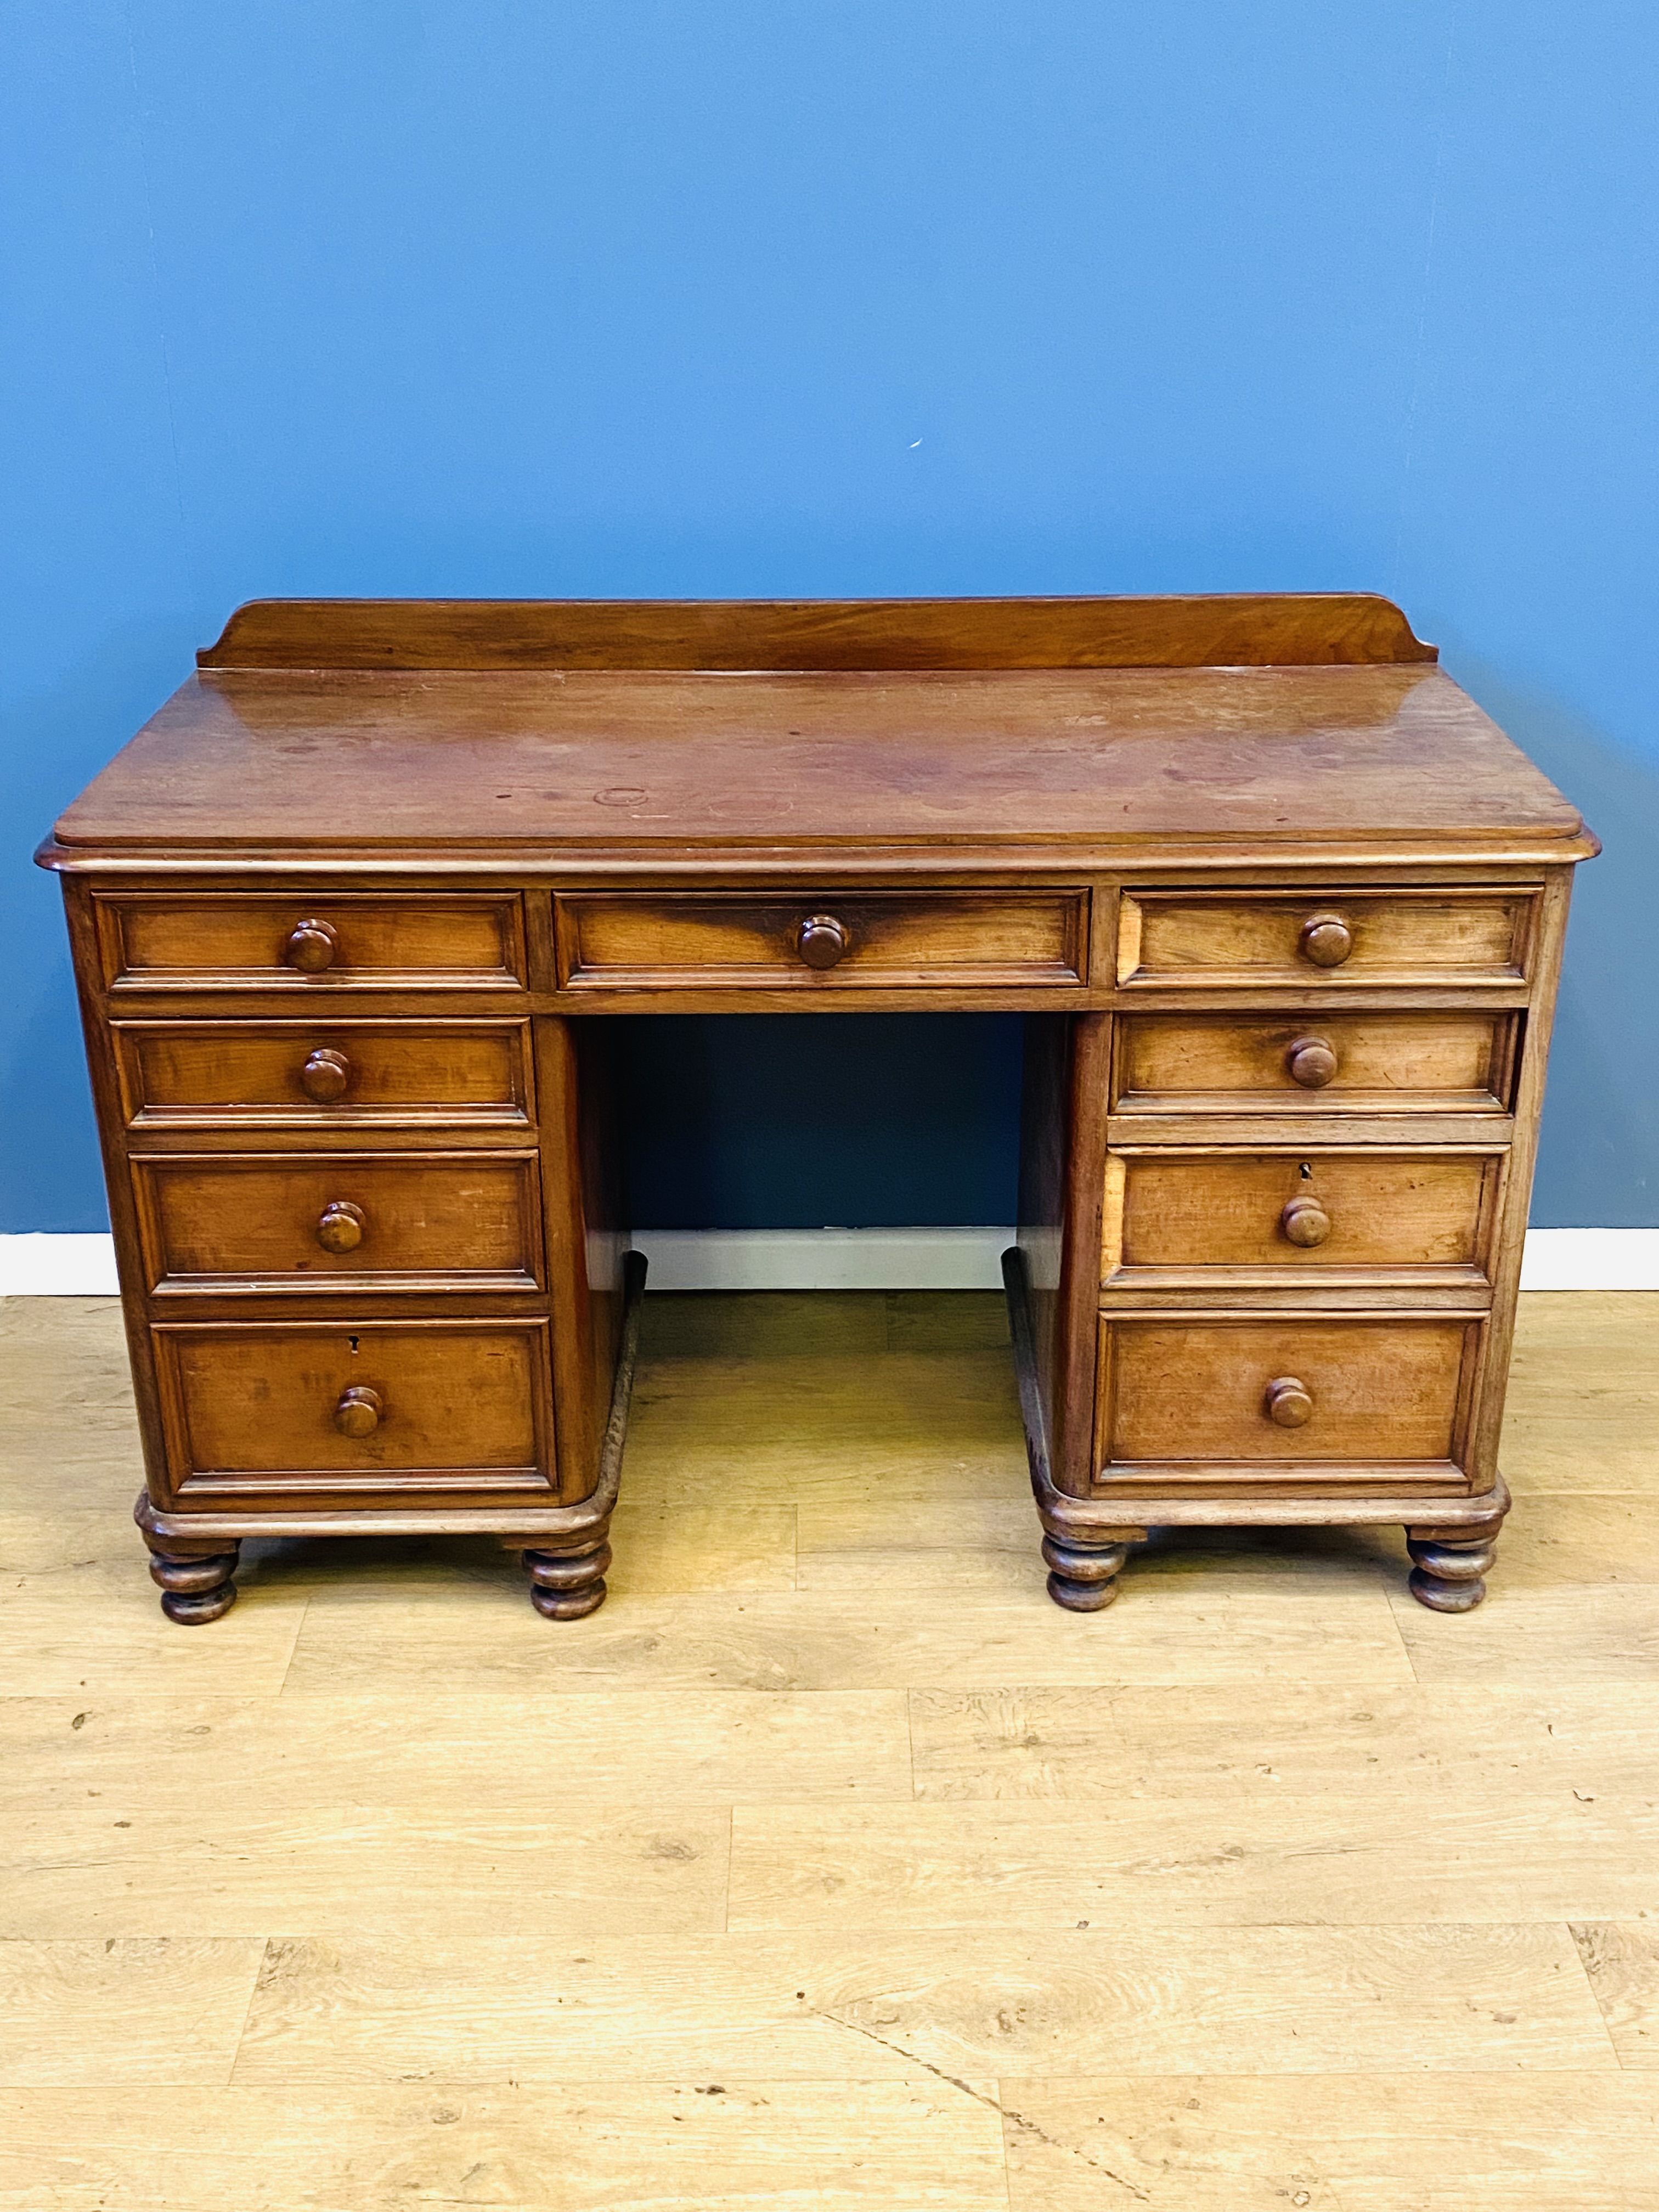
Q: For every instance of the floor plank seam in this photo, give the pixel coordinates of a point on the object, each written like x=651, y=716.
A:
x=993, y=2104
x=294, y=1648
x=1578, y=1943
x=247, y=2013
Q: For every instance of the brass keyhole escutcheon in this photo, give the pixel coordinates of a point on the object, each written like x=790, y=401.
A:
x=822, y=940
x=340, y=1226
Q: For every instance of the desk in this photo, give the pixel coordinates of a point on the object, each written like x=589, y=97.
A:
x=1282, y=908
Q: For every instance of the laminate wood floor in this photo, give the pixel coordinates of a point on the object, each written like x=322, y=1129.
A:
x=829, y=1865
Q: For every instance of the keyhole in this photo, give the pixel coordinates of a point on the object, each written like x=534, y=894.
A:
x=1307, y=1176
x=352, y=1341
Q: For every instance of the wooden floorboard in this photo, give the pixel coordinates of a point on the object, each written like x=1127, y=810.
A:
x=829, y=1865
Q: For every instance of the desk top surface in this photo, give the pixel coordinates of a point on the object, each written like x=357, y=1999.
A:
x=583, y=729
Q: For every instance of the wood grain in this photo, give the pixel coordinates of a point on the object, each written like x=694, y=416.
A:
x=1255, y=937
x=250, y=1074
x=293, y=1859
x=1194, y=1396
x=1130, y=2000
x=1621, y=1958
x=166, y=2010
x=452, y=1221
x=1323, y=1861
x=1107, y=1745
x=1383, y=761
x=1341, y=2142
x=581, y=2147
x=765, y=1640
x=180, y=940
x=1206, y=1210
x=1383, y=1062
x=252, y=1406
x=1231, y=628
x=1411, y=2033
x=918, y=941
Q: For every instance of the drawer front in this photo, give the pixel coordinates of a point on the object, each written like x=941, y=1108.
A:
x=320, y=941
x=1398, y=938
x=340, y=1221
x=243, y=1073
x=375, y=1410
x=824, y=942
x=1284, y=1210
x=1282, y=1399
x=1324, y=1061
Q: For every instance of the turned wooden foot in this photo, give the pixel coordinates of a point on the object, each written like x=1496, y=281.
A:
x=1082, y=1578
x=197, y=1588
x=1448, y=1571
x=564, y=1585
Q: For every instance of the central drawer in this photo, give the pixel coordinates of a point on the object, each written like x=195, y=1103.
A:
x=1283, y=1398
x=339, y=1221
x=372, y=1409
x=828, y=941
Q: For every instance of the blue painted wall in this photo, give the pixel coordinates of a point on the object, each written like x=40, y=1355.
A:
x=798, y=296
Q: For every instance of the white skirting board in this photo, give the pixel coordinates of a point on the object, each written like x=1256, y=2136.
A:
x=852, y=1259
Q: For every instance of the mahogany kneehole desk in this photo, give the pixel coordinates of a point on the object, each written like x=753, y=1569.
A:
x=1282, y=908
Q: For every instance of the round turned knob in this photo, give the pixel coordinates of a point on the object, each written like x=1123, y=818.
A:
x=1305, y=1221
x=1312, y=1062
x=340, y=1226
x=325, y=1075
x=1326, y=939
x=311, y=946
x=822, y=940
x=358, y=1414
x=1289, y=1402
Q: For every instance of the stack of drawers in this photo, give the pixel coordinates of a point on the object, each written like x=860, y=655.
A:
x=327, y=1108
x=1310, y=1132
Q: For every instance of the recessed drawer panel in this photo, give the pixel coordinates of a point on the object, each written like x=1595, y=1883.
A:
x=251, y=1073
x=375, y=1408
x=1344, y=1062
x=1316, y=1211
x=1398, y=937
x=340, y=1221
x=1282, y=1400
x=826, y=941
x=311, y=941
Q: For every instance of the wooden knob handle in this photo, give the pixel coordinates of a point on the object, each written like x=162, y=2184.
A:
x=1305, y=1221
x=358, y=1413
x=340, y=1226
x=325, y=1075
x=311, y=946
x=1312, y=1062
x=1326, y=939
x=822, y=940
x=1289, y=1402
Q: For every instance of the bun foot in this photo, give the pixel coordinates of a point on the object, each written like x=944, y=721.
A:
x=195, y=1591
x=1082, y=1578
x=565, y=1585
x=1447, y=1573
